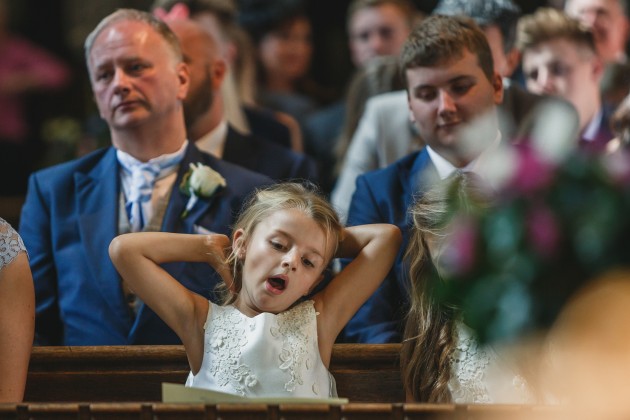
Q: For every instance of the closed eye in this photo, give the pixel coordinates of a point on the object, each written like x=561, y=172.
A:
x=136, y=68
x=461, y=88
x=276, y=245
x=426, y=94
x=103, y=75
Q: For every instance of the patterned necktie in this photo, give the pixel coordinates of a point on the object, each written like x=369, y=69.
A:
x=143, y=177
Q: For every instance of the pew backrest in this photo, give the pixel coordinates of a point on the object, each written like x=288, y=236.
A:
x=364, y=373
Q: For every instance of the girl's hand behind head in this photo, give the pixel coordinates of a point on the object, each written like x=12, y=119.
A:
x=218, y=249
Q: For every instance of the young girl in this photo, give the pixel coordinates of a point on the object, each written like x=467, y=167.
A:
x=266, y=340
x=441, y=361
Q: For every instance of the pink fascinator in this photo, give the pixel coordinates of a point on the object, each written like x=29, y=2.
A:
x=178, y=12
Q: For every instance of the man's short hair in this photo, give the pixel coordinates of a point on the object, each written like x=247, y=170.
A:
x=502, y=13
x=440, y=39
x=134, y=15
x=548, y=24
x=406, y=7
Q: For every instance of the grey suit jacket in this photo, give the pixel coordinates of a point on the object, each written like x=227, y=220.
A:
x=383, y=136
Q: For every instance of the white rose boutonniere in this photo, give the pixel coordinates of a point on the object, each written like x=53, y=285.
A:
x=200, y=181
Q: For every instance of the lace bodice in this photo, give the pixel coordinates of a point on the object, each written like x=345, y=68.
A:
x=265, y=356
x=10, y=244
x=480, y=375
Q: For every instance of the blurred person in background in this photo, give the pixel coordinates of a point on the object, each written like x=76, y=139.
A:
x=24, y=69
x=610, y=23
x=378, y=27
x=608, y=20
x=205, y=119
x=560, y=58
x=375, y=29
x=281, y=32
x=238, y=91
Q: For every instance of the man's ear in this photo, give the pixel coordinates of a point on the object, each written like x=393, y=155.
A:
x=512, y=59
x=183, y=75
x=497, y=84
x=219, y=70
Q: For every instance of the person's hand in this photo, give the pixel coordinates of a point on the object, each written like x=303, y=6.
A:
x=218, y=249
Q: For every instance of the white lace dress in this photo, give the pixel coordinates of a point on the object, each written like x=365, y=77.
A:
x=481, y=375
x=10, y=244
x=265, y=356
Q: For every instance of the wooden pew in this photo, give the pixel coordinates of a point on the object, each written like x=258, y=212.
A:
x=364, y=373
x=352, y=411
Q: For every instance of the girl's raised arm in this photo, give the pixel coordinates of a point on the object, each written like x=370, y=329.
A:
x=137, y=257
x=373, y=249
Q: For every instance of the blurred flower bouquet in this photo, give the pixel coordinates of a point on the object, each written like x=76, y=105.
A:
x=553, y=225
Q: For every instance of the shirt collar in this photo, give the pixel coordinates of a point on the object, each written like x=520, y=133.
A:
x=213, y=142
x=591, y=130
x=446, y=168
x=127, y=161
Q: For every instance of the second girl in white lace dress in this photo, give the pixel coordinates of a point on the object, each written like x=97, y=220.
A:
x=267, y=339
x=441, y=361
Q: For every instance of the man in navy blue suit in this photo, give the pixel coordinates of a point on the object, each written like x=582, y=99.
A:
x=452, y=92
x=74, y=210
x=205, y=117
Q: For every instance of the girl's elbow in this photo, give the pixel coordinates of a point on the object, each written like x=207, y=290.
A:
x=118, y=248
x=394, y=233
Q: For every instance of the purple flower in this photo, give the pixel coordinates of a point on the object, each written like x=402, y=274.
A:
x=532, y=172
x=542, y=230
x=458, y=256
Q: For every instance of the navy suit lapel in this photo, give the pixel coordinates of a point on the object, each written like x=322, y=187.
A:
x=419, y=176
x=98, y=197
x=173, y=221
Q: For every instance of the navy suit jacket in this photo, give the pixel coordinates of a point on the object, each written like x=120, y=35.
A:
x=384, y=196
x=68, y=221
x=264, y=124
x=267, y=158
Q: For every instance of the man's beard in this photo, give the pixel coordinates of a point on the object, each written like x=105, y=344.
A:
x=199, y=101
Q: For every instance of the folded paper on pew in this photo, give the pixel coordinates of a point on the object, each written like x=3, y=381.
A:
x=177, y=393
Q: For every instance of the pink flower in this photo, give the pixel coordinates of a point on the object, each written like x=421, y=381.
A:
x=532, y=172
x=542, y=230
x=458, y=256
x=178, y=12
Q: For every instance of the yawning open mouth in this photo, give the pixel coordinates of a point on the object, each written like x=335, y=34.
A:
x=277, y=283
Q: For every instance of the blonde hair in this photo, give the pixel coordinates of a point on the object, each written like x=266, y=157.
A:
x=266, y=201
x=547, y=24
x=428, y=340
